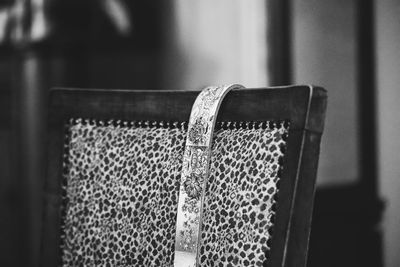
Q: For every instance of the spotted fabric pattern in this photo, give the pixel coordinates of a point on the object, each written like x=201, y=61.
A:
x=120, y=191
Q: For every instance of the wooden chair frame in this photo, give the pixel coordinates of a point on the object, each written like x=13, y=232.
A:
x=303, y=106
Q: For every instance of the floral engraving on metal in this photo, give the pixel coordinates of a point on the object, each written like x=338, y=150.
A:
x=195, y=171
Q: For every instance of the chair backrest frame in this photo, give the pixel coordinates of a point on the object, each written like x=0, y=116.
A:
x=303, y=106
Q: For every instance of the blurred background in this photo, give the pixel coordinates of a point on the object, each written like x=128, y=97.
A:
x=350, y=47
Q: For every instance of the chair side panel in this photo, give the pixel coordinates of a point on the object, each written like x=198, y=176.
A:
x=284, y=207
x=52, y=199
x=300, y=226
x=299, y=231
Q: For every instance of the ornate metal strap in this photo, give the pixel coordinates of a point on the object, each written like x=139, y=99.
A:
x=195, y=172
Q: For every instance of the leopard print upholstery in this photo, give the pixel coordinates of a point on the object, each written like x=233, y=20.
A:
x=120, y=192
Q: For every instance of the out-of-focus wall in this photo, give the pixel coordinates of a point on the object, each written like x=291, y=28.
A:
x=388, y=67
x=219, y=42
x=324, y=54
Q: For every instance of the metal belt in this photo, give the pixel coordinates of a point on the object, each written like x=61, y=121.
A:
x=195, y=172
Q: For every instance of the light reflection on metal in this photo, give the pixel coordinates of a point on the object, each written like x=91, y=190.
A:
x=4, y=22
x=119, y=15
x=40, y=27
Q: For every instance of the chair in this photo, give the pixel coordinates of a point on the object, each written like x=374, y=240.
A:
x=116, y=120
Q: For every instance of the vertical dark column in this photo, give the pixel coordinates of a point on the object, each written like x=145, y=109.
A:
x=33, y=87
x=366, y=80
x=279, y=42
x=9, y=186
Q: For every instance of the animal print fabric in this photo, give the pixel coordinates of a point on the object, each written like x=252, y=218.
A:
x=120, y=192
